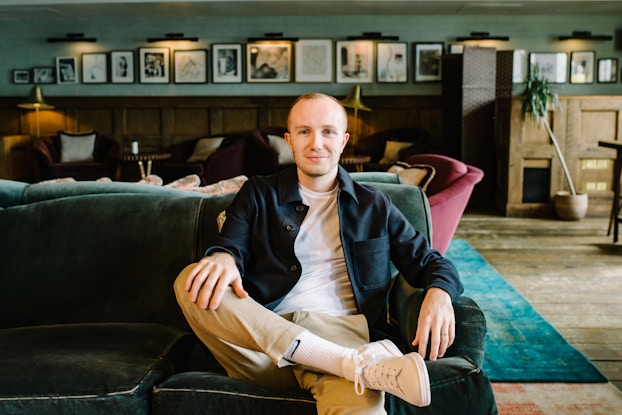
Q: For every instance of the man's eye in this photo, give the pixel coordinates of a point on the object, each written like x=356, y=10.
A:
x=329, y=132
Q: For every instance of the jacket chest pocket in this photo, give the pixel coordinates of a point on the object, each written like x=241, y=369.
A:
x=372, y=263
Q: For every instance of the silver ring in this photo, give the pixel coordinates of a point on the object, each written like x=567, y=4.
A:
x=445, y=334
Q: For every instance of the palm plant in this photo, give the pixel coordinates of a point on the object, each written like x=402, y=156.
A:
x=538, y=99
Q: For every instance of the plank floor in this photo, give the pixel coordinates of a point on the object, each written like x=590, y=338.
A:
x=570, y=271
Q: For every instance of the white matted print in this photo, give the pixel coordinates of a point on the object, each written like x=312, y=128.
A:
x=355, y=61
x=582, y=67
x=67, y=70
x=552, y=66
x=122, y=67
x=268, y=62
x=190, y=66
x=94, y=68
x=391, y=62
x=154, y=65
x=314, y=60
x=227, y=63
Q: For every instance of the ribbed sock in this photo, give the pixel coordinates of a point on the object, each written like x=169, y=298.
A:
x=311, y=350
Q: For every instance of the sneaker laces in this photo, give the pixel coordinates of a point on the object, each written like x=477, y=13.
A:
x=360, y=363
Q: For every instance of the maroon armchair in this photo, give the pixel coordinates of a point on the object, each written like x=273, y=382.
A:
x=448, y=194
x=224, y=162
x=267, y=152
x=101, y=163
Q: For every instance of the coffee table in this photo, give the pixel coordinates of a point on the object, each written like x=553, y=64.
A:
x=140, y=158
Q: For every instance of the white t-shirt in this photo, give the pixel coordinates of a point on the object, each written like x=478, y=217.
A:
x=324, y=285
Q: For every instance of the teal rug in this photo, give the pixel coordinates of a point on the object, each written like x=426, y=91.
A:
x=521, y=346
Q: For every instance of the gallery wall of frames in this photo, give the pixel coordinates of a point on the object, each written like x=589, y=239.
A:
x=302, y=61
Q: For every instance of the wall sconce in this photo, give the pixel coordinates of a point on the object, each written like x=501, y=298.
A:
x=373, y=36
x=272, y=36
x=585, y=35
x=353, y=100
x=482, y=36
x=36, y=102
x=173, y=37
x=72, y=37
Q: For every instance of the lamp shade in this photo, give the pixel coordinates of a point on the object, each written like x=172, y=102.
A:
x=353, y=100
x=35, y=100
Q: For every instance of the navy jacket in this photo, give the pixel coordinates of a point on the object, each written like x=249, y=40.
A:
x=263, y=222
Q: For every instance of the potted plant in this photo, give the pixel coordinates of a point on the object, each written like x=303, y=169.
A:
x=538, y=99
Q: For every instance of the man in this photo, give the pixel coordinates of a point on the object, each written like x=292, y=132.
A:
x=298, y=279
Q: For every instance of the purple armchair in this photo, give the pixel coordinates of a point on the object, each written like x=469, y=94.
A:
x=448, y=194
x=268, y=153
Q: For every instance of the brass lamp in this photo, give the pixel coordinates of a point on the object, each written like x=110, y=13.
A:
x=36, y=102
x=353, y=100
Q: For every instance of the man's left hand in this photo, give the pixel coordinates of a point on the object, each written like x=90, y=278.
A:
x=436, y=325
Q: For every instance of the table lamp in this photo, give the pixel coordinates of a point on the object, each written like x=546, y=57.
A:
x=36, y=102
x=353, y=100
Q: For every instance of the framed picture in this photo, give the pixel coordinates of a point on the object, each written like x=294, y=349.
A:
x=582, y=67
x=552, y=66
x=190, y=66
x=154, y=66
x=519, y=66
x=607, y=70
x=314, y=60
x=427, y=61
x=355, y=60
x=94, y=68
x=391, y=62
x=21, y=76
x=67, y=70
x=122, y=67
x=227, y=63
x=268, y=61
x=43, y=75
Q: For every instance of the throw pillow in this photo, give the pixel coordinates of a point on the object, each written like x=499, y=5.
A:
x=75, y=147
x=414, y=174
x=392, y=151
x=282, y=149
x=204, y=148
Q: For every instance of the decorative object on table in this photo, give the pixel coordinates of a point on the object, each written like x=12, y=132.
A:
x=134, y=147
x=190, y=66
x=427, y=61
x=392, y=62
x=94, y=68
x=552, y=66
x=67, y=70
x=122, y=67
x=538, y=99
x=355, y=61
x=314, y=60
x=353, y=100
x=227, y=63
x=154, y=67
x=608, y=70
x=269, y=61
x=36, y=102
x=582, y=67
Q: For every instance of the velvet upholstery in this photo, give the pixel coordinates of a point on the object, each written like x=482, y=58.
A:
x=47, y=152
x=89, y=323
x=374, y=145
x=227, y=162
x=448, y=194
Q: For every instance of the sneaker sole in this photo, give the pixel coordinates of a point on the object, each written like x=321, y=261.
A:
x=426, y=394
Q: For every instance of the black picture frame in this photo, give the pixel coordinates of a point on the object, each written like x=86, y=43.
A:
x=227, y=66
x=154, y=65
x=582, y=67
x=21, y=76
x=607, y=71
x=427, y=60
x=94, y=68
x=43, y=75
x=190, y=66
x=269, y=62
x=66, y=70
x=122, y=67
x=391, y=62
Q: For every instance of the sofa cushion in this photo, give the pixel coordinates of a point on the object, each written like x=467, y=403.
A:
x=204, y=148
x=392, y=151
x=87, y=368
x=413, y=174
x=281, y=147
x=77, y=147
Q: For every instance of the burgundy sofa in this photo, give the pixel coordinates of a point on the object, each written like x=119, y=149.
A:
x=448, y=194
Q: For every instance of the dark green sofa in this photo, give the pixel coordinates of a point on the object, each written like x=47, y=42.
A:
x=89, y=323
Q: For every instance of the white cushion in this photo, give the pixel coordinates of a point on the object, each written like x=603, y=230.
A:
x=204, y=148
x=279, y=145
x=76, y=147
x=392, y=151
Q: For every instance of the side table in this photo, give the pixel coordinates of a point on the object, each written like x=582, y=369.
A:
x=140, y=158
x=617, y=169
x=356, y=160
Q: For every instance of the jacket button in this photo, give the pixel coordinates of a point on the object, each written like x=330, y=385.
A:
x=289, y=228
x=293, y=268
x=300, y=208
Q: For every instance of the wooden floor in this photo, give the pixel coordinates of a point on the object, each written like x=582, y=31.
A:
x=570, y=271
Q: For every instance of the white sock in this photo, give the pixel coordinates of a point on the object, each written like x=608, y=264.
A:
x=311, y=350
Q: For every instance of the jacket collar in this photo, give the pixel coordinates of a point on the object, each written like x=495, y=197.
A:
x=287, y=185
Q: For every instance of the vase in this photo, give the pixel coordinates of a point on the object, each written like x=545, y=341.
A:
x=569, y=206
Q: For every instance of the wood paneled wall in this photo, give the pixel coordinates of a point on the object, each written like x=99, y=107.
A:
x=158, y=122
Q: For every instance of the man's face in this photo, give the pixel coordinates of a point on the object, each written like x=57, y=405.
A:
x=317, y=136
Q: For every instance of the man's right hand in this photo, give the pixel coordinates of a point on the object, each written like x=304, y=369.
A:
x=210, y=277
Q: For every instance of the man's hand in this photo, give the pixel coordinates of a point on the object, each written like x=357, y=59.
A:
x=436, y=325
x=209, y=279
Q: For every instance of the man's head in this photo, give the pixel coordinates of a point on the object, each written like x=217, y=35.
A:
x=317, y=125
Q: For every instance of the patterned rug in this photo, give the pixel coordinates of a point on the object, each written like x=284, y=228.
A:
x=521, y=346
